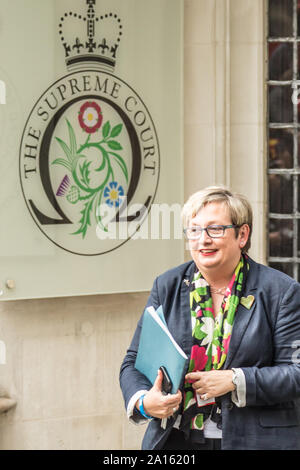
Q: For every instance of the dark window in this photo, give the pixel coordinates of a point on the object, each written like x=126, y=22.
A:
x=284, y=136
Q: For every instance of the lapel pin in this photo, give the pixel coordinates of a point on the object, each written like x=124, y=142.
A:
x=187, y=282
x=247, y=301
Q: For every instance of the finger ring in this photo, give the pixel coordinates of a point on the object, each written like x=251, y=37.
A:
x=205, y=396
x=174, y=409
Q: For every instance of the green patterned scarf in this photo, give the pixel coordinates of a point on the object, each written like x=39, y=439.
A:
x=211, y=338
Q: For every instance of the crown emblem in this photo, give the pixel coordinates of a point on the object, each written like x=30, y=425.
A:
x=90, y=41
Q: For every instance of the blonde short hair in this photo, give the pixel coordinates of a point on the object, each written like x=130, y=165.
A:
x=238, y=205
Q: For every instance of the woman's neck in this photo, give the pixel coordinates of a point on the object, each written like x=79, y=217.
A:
x=219, y=278
x=216, y=281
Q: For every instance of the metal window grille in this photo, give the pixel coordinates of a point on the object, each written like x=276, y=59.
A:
x=283, y=84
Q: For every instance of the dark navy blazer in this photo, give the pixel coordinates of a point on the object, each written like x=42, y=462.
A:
x=264, y=344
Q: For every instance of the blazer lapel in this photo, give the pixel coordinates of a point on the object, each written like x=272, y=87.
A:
x=241, y=321
x=185, y=308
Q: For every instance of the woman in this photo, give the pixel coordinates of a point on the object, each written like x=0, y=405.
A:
x=239, y=323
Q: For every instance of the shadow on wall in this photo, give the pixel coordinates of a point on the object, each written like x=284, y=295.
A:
x=2, y=92
x=2, y=353
x=6, y=403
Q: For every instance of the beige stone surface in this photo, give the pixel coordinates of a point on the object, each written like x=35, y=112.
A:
x=199, y=101
x=225, y=102
x=63, y=361
x=247, y=21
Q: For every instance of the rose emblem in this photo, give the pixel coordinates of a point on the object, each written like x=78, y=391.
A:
x=90, y=117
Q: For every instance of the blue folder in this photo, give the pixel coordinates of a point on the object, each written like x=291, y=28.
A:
x=158, y=348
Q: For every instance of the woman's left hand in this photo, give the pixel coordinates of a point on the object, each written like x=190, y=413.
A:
x=213, y=383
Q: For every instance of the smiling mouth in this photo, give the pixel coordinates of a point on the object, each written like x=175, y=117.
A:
x=207, y=252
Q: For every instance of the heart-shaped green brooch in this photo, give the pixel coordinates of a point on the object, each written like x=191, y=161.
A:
x=247, y=301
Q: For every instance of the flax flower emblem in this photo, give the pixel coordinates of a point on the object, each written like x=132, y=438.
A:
x=113, y=194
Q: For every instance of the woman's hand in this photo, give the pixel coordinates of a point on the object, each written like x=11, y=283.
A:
x=158, y=405
x=213, y=383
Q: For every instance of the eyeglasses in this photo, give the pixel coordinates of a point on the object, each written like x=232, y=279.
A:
x=213, y=231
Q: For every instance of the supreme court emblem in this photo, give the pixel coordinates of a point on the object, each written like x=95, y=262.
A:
x=89, y=155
